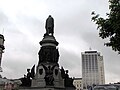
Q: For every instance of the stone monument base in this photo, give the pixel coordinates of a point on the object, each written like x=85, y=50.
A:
x=41, y=88
x=46, y=88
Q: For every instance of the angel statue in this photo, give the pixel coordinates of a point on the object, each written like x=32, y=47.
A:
x=49, y=74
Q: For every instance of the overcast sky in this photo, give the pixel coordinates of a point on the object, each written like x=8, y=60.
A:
x=24, y=26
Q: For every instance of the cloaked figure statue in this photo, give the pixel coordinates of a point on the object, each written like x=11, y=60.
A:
x=49, y=26
x=68, y=82
x=26, y=80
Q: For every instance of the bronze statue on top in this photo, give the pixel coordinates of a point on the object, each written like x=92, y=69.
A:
x=49, y=26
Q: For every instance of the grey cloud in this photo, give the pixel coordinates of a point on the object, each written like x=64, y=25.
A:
x=72, y=19
x=20, y=54
x=70, y=61
x=33, y=25
x=3, y=18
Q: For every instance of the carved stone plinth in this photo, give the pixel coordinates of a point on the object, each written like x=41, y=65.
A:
x=48, y=74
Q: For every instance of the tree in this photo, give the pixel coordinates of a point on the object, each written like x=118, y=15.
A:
x=110, y=26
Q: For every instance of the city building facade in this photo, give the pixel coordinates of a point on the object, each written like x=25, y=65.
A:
x=92, y=69
x=78, y=83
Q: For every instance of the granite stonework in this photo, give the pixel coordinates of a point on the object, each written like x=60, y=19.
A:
x=41, y=88
x=48, y=75
x=39, y=80
x=46, y=88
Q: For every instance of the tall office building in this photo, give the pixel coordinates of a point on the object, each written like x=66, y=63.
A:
x=92, y=69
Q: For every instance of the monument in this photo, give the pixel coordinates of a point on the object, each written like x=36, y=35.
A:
x=48, y=75
x=48, y=72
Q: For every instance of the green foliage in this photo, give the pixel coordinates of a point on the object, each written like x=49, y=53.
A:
x=110, y=26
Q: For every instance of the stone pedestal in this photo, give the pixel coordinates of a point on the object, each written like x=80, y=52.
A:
x=48, y=73
x=39, y=80
x=40, y=88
